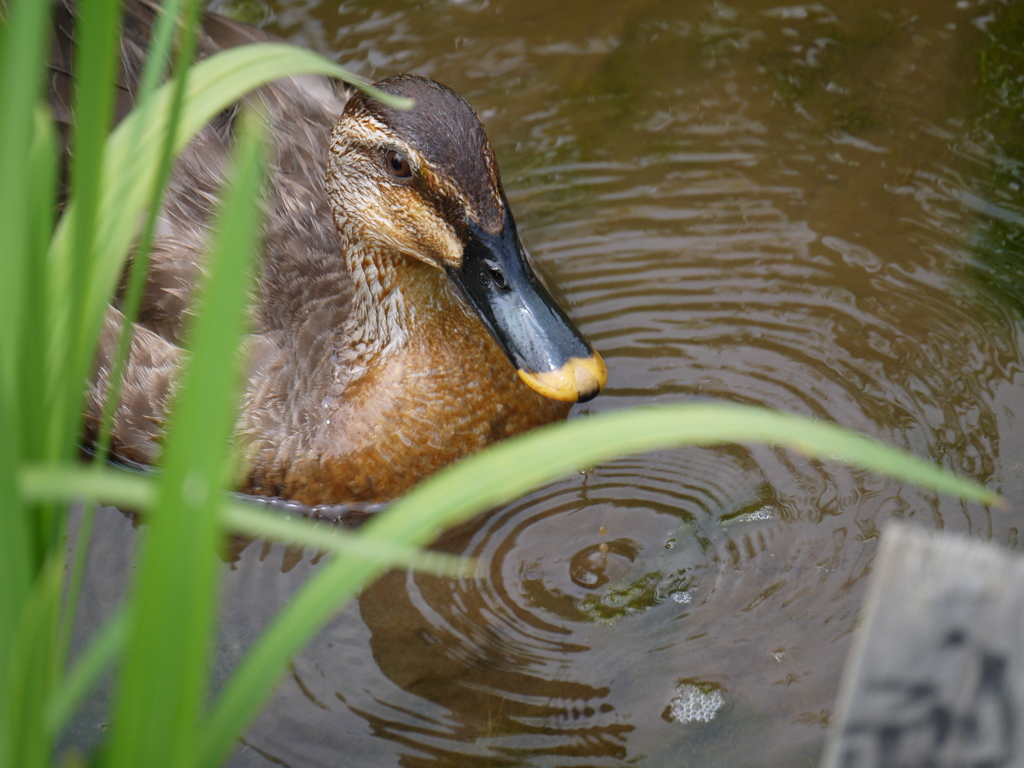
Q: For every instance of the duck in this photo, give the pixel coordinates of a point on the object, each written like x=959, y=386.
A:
x=397, y=325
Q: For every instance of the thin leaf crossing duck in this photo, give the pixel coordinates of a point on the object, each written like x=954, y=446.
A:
x=398, y=324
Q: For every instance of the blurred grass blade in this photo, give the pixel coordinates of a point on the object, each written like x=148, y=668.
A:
x=131, y=163
x=98, y=656
x=508, y=469
x=161, y=686
x=41, y=190
x=23, y=36
x=96, y=63
x=17, y=571
x=131, y=490
x=20, y=549
x=72, y=482
x=96, y=57
x=156, y=61
x=243, y=519
x=31, y=675
x=133, y=167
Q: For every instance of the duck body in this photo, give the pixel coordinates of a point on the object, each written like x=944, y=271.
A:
x=397, y=324
x=367, y=426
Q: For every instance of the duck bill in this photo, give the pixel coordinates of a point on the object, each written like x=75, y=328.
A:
x=547, y=350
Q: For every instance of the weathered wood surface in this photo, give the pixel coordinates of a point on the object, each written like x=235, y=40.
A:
x=936, y=676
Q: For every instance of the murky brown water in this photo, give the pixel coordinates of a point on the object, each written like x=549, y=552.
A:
x=813, y=208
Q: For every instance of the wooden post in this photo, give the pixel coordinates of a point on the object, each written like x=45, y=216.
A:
x=936, y=675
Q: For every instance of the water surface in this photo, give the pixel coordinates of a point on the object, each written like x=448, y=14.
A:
x=815, y=208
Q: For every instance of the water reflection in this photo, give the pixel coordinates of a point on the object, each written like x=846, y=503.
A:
x=808, y=207
x=541, y=654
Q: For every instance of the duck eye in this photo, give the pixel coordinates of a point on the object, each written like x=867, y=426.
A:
x=499, y=279
x=398, y=165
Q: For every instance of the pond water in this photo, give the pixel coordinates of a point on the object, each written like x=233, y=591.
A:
x=815, y=208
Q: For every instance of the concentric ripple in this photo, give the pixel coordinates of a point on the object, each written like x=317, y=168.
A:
x=570, y=575
x=801, y=207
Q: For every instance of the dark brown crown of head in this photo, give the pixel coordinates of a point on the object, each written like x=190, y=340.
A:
x=445, y=130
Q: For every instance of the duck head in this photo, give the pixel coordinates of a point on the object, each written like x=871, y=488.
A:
x=424, y=183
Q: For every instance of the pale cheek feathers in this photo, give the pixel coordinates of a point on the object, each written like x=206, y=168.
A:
x=408, y=225
x=396, y=217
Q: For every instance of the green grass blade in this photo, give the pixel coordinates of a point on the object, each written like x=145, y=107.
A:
x=156, y=63
x=22, y=51
x=96, y=57
x=508, y=469
x=20, y=553
x=54, y=419
x=515, y=466
x=162, y=683
x=256, y=677
x=343, y=543
x=131, y=163
x=23, y=38
x=73, y=481
x=97, y=657
x=48, y=324
x=157, y=58
x=40, y=189
x=17, y=568
x=30, y=676
x=130, y=490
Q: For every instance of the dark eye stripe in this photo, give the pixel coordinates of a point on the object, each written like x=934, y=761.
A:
x=398, y=165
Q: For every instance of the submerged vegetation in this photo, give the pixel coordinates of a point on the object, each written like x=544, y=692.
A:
x=58, y=276
x=999, y=138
